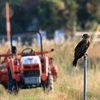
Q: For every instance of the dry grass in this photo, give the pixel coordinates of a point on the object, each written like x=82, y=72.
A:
x=69, y=85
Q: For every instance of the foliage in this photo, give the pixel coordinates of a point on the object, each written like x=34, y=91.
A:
x=51, y=15
x=56, y=14
x=88, y=13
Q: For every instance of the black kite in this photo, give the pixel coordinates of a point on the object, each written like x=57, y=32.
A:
x=81, y=48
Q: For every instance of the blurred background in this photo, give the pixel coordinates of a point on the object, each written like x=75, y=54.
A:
x=71, y=16
x=62, y=24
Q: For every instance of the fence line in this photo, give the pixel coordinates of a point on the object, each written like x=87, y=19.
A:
x=29, y=37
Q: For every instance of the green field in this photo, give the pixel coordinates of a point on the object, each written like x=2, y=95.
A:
x=69, y=85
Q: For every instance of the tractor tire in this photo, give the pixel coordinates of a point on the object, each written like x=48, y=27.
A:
x=50, y=82
x=44, y=86
x=5, y=85
x=11, y=83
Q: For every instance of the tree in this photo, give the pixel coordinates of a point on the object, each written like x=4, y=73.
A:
x=56, y=14
x=51, y=14
x=88, y=13
x=13, y=5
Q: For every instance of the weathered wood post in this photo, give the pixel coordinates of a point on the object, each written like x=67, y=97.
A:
x=85, y=70
x=8, y=20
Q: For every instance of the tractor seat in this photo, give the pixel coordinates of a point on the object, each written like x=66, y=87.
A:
x=28, y=54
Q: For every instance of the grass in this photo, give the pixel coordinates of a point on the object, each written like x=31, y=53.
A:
x=69, y=85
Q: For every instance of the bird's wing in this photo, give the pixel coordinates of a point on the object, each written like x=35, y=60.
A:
x=89, y=43
x=80, y=44
x=81, y=48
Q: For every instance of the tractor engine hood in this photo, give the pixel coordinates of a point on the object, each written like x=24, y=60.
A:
x=30, y=60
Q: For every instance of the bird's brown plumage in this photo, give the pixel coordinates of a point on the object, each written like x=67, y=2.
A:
x=81, y=48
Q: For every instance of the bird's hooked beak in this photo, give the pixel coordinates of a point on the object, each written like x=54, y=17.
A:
x=82, y=36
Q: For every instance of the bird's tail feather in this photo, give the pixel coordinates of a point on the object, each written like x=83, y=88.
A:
x=75, y=62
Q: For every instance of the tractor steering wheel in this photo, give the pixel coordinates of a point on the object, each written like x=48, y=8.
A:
x=31, y=50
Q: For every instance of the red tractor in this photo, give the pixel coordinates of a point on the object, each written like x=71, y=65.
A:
x=28, y=70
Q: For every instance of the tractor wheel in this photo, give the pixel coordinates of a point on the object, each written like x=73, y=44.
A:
x=11, y=83
x=5, y=85
x=50, y=82
x=44, y=86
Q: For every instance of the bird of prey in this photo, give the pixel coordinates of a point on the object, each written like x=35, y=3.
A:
x=81, y=48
